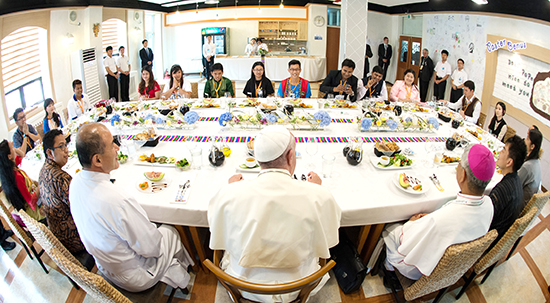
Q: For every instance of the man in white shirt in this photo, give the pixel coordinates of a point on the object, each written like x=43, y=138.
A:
x=273, y=228
x=128, y=249
x=468, y=106
x=208, y=54
x=415, y=248
x=373, y=87
x=79, y=103
x=124, y=67
x=111, y=72
x=457, y=81
x=441, y=73
x=251, y=48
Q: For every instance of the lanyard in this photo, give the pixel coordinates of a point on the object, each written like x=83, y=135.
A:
x=79, y=102
x=343, y=83
x=289, y=87
x=409, y=92
x=258, y=87
x=217, y=89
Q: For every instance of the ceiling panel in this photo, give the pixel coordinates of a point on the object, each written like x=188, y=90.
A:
x=390, y=3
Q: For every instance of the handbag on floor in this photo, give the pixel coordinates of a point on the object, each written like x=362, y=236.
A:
x=349, y=269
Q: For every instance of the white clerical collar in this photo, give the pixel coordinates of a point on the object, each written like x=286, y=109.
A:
x=274, y=170
x=469, y=199
x=95, y=176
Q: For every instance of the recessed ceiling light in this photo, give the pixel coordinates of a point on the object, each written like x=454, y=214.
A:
x=211, y=1
x=481, y=2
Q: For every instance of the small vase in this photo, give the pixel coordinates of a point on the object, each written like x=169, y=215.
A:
x=263, y=59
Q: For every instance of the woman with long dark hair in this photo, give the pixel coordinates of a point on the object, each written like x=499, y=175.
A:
x=405, y=90
x=179, y=88
x=20, y=190
x=530, y=172
x=148, y=88
x=52, y=120
x=258, y=86
x=498, y=127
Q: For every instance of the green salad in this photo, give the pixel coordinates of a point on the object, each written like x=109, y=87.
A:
x=398, y=160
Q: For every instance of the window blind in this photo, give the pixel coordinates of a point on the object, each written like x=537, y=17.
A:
x=20, y=57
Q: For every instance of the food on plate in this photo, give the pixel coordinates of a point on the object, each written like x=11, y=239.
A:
x=250, y=144
x=398, y=160
x=182, y=163
x=77, y=170
x=474, y=133
x=303, y=105
x=152, y=158
x=384, y=160
x=207, y=100
x=144, y=185
x=386, y=146
x=145, y=135
x=122, y=158
x=268, y=106
x=154, y=176
x=410, y=181
x=457, y=137
x=447, y=159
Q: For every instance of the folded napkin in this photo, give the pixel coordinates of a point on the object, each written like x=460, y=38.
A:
x=182, y=194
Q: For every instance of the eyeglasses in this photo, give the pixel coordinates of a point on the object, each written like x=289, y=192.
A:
x=21, y=118
x=294, y=69
x=62, y=146
x=258, y=70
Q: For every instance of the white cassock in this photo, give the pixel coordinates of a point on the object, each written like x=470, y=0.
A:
x=273, y=229
x=415, y=248
x=128, y=249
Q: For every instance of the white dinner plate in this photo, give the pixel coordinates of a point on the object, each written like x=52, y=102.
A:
x=425, y=187
x=247, y=170
x=149, y=190
x=375, y=160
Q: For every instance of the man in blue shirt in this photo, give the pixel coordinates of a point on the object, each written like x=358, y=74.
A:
x=294, y=87
x=25, y=135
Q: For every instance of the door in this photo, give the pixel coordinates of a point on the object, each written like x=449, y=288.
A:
x=410, y=49
x=333, y=47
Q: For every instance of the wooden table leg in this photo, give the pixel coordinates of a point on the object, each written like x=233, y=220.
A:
x=363, y=234
x=374, y=235
x=187, y=244
x=198, y=247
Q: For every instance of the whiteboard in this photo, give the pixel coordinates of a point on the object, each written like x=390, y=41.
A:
x=514, y=79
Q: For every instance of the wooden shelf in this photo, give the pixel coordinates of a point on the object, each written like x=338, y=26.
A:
x=283, y=30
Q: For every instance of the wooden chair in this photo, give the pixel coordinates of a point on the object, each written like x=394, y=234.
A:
x=40, y=129
x=481, y=120
x=234, y=87
x=234, y=286
x=456, y=260
x=490, y=260
x=162, y=88
x=194, y=90
x=538, y=201
x=510, y=132
x=274, y=89
x=24, y=238
x=47, y=240
x=388, y=87
x=320, y=95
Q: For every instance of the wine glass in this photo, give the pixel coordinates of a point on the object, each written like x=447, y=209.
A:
x=311, y=149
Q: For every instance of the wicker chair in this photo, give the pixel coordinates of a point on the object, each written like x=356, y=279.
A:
x=481, y=120
x=194, y=90
x=234, y=286
x=500, y=250
x=510, y=132
x=234, y=87
x=538, y=201
x=456, y=260
x=25, y=238
x=320, y=95
x=47, y=240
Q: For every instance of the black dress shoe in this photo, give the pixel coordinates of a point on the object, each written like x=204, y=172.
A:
x=7, y=246
x=7, y=234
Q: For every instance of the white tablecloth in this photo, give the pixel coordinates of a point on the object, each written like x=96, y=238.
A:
x=239, y=68
x=365, y=194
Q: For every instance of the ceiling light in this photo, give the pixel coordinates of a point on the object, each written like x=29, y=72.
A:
x=211, y=1
x=184, y=2
x=480, y=2
x=283, y=6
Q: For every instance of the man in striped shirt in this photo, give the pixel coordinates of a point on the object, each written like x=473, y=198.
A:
x=507, y=195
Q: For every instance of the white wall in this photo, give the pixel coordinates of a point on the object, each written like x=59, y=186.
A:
x=317, y=47
x=379, y=26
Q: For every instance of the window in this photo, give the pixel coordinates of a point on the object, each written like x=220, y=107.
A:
x=22, y=68
x=333, y=16
x=113, y=34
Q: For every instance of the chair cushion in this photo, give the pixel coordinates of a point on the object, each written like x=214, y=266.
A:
x=405, y=282
x=151, y=295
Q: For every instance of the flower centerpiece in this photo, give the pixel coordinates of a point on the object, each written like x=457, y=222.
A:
x=415, y=123
x=372, y=122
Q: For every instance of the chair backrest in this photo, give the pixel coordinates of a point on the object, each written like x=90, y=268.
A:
x=510, y=132
x=46, y=238
x=388, y=87
x=234, y=87
x=194, y=90
x=501, y=249
x=93, y=284
x=162, y=88
x=234, y=285
x=320, y=95
x=40, y=129
x=481, y=120
x=274, y=89
x=16, y=228
x=538, y=201
x=456, y=260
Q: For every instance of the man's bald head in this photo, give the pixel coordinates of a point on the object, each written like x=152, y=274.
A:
x=89, y=142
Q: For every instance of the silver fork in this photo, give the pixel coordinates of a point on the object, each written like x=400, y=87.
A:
x=179, y=196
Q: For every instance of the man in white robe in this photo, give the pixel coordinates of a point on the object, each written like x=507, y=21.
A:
x=128, y=249
x=274, y=228
x=415, y=248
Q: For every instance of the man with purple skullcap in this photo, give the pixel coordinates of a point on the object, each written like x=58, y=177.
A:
x=274, y=228
x=415, y=248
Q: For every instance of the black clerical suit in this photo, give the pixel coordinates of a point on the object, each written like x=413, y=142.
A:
x=333, y=79
x=425, y=75
x=146, y=57
x=384, y=54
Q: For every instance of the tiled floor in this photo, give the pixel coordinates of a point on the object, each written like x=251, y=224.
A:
x=523, y=278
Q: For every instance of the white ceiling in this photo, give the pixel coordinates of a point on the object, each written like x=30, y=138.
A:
x=396, y=2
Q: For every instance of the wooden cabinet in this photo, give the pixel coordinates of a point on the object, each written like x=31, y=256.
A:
x=282, y=30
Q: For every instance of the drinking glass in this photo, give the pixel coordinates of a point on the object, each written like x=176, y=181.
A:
x=311, y=149
x=328, y=163
x=196, y=155
x=437, y=159
x=190, y=143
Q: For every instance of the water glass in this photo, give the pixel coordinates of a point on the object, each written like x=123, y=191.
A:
x=327, y=165
x=196, y=155
x=437, y=159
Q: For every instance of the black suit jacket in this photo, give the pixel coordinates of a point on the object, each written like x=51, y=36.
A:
x=382, y=52
x=145, y=58
x=427, y=70
x=333, y=79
